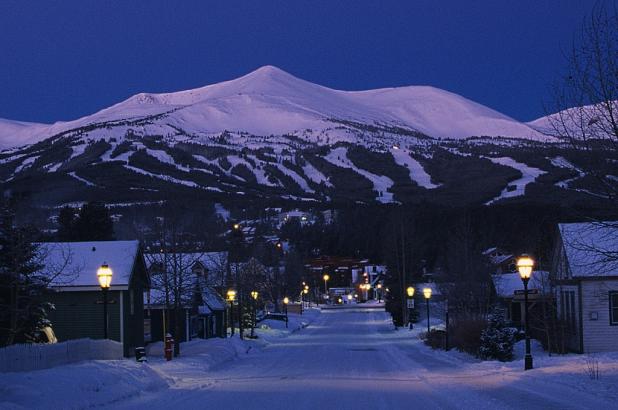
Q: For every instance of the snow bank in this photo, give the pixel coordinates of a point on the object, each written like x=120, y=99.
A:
x=78, y=386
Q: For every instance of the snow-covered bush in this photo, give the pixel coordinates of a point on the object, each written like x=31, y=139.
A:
x=497, y=339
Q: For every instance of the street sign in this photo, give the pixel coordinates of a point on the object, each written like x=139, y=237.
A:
x=410, y=303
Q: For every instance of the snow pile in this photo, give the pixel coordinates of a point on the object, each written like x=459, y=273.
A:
x=78, y=386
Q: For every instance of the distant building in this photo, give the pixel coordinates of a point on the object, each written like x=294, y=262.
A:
x=509, y=290
x=77, y=296
x=500, y=260
x=585, y=263
x=203, y=308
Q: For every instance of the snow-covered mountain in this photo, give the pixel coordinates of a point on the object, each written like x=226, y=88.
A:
x=589, y=120
x=269, y=135
x=18, y=133
x=270, y=101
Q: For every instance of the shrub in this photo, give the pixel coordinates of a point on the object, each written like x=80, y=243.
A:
x=465, y=334
x=497, y=339
x=436, y=339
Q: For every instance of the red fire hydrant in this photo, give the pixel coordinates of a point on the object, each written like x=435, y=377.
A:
x=169, y=347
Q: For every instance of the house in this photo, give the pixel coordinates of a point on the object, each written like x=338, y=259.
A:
x=203, y=310
x=500, y=260
x=77, y=296
x=585, y=263
x=509, y=290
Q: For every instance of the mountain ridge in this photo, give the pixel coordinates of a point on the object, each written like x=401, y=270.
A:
x=272, y=101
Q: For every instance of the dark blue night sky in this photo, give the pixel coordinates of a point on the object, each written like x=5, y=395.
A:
x=64, y=59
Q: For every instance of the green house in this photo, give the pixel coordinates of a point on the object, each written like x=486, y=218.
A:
x=78, y=298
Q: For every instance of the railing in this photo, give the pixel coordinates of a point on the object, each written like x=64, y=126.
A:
x=27, y=357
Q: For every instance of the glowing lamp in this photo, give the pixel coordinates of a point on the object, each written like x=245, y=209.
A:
x=254, y=294
x=524, y=265
x=427, y=293
x=104, y=274
x=410, y=291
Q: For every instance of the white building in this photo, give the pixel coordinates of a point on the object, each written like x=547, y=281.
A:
x=585, y=263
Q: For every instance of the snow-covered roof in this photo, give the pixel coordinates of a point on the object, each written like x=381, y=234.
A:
x=212, y=299
x=78, y=262
x=507, y=284
x=214, y=262
x=591, y=248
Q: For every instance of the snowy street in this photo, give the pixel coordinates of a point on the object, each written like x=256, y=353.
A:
x=354, y=359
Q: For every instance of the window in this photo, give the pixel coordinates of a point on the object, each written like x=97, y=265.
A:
x=613, y=308
x=567, y=306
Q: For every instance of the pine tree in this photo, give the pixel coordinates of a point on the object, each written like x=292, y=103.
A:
x=91, y=223
x=497, y=339
x=23, y=312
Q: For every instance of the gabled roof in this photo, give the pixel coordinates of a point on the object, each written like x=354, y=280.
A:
x=212, y=299
x=591, y=248
x=214, y=262
x=75, y=264
x=507, y=284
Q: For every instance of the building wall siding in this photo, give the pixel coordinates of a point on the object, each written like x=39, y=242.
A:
x=565, y=312
x=80, y=314
x=599, y=335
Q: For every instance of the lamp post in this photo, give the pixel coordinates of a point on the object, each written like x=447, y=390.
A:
x=302, y=300
x=410, y=293
x=524, y=265
x=231, y=295
x=326, y=278
x=254, y=296
x=104, y=274
x=379, y=287
x=286, y=300
x=427, y=294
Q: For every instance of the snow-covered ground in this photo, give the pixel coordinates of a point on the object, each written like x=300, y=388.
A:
x=345, y=359
x=529, y=175
x=381, y=184
x=416, y=170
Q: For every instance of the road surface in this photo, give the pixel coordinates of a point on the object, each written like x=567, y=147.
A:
x=354, y=359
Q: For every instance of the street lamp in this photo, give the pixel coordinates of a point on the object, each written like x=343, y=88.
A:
x=104, y=274
x=427, y=294
x=231, y=295
x=286, y=300
x=410, y=292
x=254, y=296
x=326, y=278
x=379, y=286
x=524, y=265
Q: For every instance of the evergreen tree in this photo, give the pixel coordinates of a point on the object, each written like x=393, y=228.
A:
x=92, y=223
x=66, y=221
x=23, y=312
x=497, y=339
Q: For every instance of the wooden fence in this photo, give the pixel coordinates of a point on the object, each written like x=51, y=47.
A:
x=27, y=357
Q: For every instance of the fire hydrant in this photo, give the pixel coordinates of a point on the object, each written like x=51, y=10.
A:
x=169, y=347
